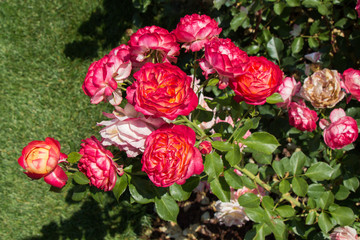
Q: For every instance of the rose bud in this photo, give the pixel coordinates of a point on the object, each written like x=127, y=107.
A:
x=323, y=89
x=261, y=78
x=170, y=156
x=162, y=90
x=352, y=82
x=342, y=130
x=128, y=130
x=222, y=56
x=344, y=233
x=287, y=90
x=97, y=164
x=205, y=147
x=103, y=76
x=41, y=158
x=302, y=117
x=195, y=30
x=153, y=42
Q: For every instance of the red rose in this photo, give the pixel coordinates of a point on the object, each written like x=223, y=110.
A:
x=261, y=78
x=162, y=90
x=41, y=158
x=352, y=82
x=170, y=156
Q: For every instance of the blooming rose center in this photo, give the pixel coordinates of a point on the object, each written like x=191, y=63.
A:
x=37, y=160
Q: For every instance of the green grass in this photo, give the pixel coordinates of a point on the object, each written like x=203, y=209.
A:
x=45, y=50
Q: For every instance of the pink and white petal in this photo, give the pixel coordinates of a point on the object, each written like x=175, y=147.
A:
x=56, y=178
x=336, y=114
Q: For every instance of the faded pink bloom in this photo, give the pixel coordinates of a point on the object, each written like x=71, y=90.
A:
x=302, y=117
x=153, y=42
x=103, y=76
x=342, y=130
x=313, y=57
x=40, y=160
x=222, y=56
x=97, y=164
x=357, y=8
x=195, y=30
x=230, y=213
x=287, y=90
x=236, y=193
x=128, y=130
x=352, y=82
x=260, y=80
x=170, y=155
x=205, y=147
x=344, y=233
x=162, y=90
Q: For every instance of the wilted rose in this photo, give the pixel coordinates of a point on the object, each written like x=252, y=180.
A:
x=352, y=82
x=153, y=42
x=261, y=78
x=97, y=164
x=344, y=233
x=287, y=90
x=342, y=130
x=302, y=117
x=128, y=130
x=162, y=90
x=222, y=56
x=323, y=88
x=170, y=156
x=230, y=213
x=41, y=158
x=195, y=30
x=103, y=76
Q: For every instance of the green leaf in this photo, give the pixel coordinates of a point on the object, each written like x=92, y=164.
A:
x=299, y=186
x=315, y=190
x=351, y=183
x=233, y=179
x=262, y=230
x=311, y=3
x=293, y=3
x=222, y=146
x=221, y=189
x=319, y=171
x=79, y=193
x=297, y=162
x=218, y=3
x=247, y=182
x=81, y=178
x=324, y=9
x=286, y=211
x=342, y=193
x=238, y=20
x=234, y=156
x=212, y=82
x=314, y=28
x=98, y=196
x=262, y=142
x=277, y=226
x=249, y=124
x=255, y=214
x=325, y=222
x=313, y=43
x=341, y=23
x=267, y=202
x=279, y=7
x=249, y=200
x=344, y=216
x=167, y=208
x=310, y=218
x=326, y=199
x=213, y=165
x=275, y=98
x=297, y=45
x=252, y=167
x=178, y=193
x=74, y=157
x=143, y=191
x=275, y=47
x=262, y=158
x=252, y=50
x=284, y=186
x=278, y=168
x=120, y=186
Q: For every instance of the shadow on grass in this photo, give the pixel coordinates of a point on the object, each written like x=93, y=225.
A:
x=94, y=221
x=109, y=25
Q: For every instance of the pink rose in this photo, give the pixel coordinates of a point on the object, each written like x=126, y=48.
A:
x=302, y=117
x=344, y=233
x=97, y=164
x=260, y=80
x=287, y=90
x=357, y=8
x=222, y=56
x=170, y=156
x=162, y=90
x=352, y=82
x=41, y=159
x=236, y=193
x=153, y=42
x=205, y=147
x=102, y=79
x=195, y=30
x=342, y=130
x=128, y=130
